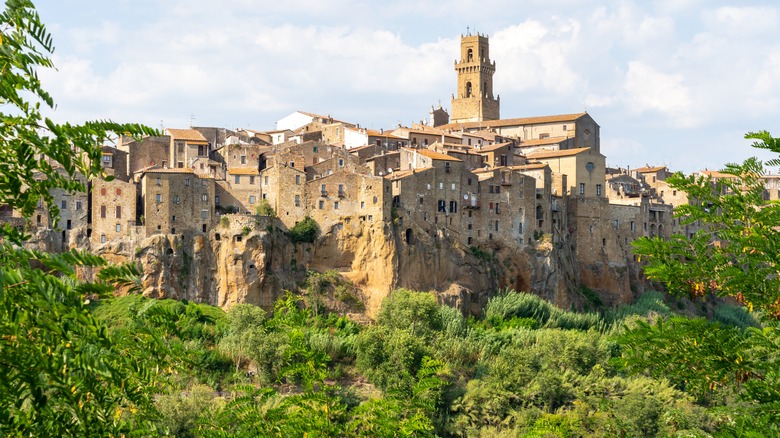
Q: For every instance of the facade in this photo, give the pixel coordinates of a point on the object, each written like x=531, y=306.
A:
x=176, y=201
x=585, y=169
x=113, y=210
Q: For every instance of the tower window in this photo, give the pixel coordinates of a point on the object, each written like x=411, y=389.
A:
x=469, y=55
x=468, y=89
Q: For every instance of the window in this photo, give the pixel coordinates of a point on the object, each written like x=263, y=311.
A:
x=314, y=149
x=78, y=205
x=158, y=197
x=598, y=189
x=204, y=214
x=251, y=200
x=297, y=180
x=64, y=205
x=175, y=199
x=106, y=159
x=118, y=192
x=322, y=204
x=363, y=204
x=265, y=180
x=118, y=228
x=102, y=238
x=441, y=186
x=633, y=226
x=173, y=218
x=297, y=200
x=102, y=211
x=216, y=199
x=453, y=206
x=498, y=209
x=251, y=180
x=496, y=225
x=69, y=224
x=453, y=186
x=520, y=228
x=238, y=179
x=180, y=146
x=204, y=197
x=336, y=205
x=119, y=212
x=421, y=200
x=158, y=181
x=102, y=191
x=582, y=188
x=243, y=159
x=442, y=206
x=203, y=183
x=341, y=162
x=186, y=181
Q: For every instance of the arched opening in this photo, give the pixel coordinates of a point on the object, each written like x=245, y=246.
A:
x=217, y=236
x=485, y=89
x=652, y=230
x=660, y=229
x=469, y=55
x=468, y=89
x=409, y=236
x=169, y=251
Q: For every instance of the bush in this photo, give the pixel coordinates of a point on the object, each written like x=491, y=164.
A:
x=409, y=310
x=264, y=209
x=305, y=231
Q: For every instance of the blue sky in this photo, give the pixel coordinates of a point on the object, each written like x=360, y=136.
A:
x=674, y=82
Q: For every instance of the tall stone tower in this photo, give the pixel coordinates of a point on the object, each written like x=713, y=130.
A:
x=474, y=101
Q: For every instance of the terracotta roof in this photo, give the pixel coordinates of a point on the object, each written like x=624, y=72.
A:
x=188, y=135
x=174, y=170
x=406, y=173
x=487, y=135
x=243, y=171
x=492, y=147
x=516, y=122
x=555, y=154
x=360, y=148
x=436, y=155
x=648, y=169
x=717, y=174
x=543, y=141
x=531, y=166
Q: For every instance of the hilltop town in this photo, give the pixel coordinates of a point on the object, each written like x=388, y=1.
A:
x=469, y=178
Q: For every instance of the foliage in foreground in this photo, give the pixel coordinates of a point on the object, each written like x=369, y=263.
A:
x=61, y=372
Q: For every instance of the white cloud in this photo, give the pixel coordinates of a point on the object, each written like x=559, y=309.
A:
x=647, y=89
x=742, y=21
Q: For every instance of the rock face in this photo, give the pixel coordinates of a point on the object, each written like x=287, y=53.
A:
x=253, y=261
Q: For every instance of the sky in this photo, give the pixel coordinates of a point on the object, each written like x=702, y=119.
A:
x=670, y=82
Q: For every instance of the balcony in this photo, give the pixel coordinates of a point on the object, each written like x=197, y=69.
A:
x=473, y=204
x=323, y=193
x=342, y=194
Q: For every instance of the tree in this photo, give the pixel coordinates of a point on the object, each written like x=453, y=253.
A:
x=61, y=373
x=736, y=253
x=305, y=231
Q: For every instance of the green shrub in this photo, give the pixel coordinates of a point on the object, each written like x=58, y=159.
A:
x=410, y=310
x=305, y=231
x=264, y=208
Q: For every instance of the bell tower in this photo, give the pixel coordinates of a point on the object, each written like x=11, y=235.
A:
x=474, y=101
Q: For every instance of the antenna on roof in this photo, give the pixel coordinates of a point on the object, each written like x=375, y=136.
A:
x=192, y=118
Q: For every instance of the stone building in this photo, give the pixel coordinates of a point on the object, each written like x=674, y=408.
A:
x=187, y=146
x=585, y=169
x=283, y=187
x=474, y=100
x=345, y=195
x=146, y=152
x=113, y=210
x=176, y=201
x=580, y=128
